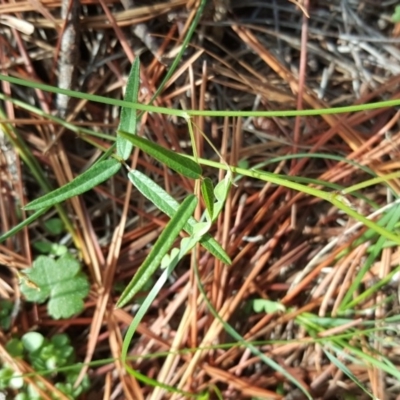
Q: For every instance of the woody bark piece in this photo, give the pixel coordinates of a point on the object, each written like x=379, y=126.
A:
x=69, y=53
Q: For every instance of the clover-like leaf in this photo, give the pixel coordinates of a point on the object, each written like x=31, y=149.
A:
x=67, y=297
x=32, y=341
x=61, y=281
x=54, y=226
x=267, y=306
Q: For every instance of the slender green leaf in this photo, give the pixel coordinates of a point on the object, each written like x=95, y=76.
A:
x=350, y=299
x=95, y=175
x=201, y=228
x=245, y=343
x=344, y=369
x=128, y=119
x=176, y=255
x=175, y=161
x=160, y=249
x=168, y=205
x=222, y=189
x=152, y=382
x=207, y=190
x=221, y=192
x=206, y=113
x=22, y=224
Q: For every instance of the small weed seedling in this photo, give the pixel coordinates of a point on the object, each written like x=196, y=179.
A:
x=51, y=357
x=59, y=280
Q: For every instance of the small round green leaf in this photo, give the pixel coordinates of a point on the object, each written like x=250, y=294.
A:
x=55, y=226
x=32, y=341
x=16, y=382
x=15, y=347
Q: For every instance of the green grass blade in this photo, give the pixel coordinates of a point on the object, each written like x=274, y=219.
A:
x=175, y=256
x=177, y=162
x=348, y=300
x=285, y=182
x=154, y=383
x=232, y=332
x=95, y=175
x=203, y=113
x=342, y=367
x=22, y=224
x=128, y=120
x=160, y=249
x=168, y=205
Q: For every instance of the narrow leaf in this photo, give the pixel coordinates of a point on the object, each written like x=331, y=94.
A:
x=221, y=192
x=168, y=205
x=185, y=246
x=201, y=228
x=222, y=189
x=181, y=164
x=207, y=190
x=22, y=224
x=128, y=118
x=95, y=175
x=160, y=249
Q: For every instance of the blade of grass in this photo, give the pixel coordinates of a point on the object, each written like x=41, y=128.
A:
x=342, y=367
x=22, y=224
x=347, y=303
x=282, y=180
x=186, y=245
x=26, y=155
x=254, y=350
x=202, y=113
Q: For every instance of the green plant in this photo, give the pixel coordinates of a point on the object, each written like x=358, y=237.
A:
x=53, y=227
x=163, y=254
x=54, y=357
x=396, y=14
x=60, y=280
x=6, y=307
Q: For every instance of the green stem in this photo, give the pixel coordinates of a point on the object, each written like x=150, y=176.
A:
x=204, y=113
